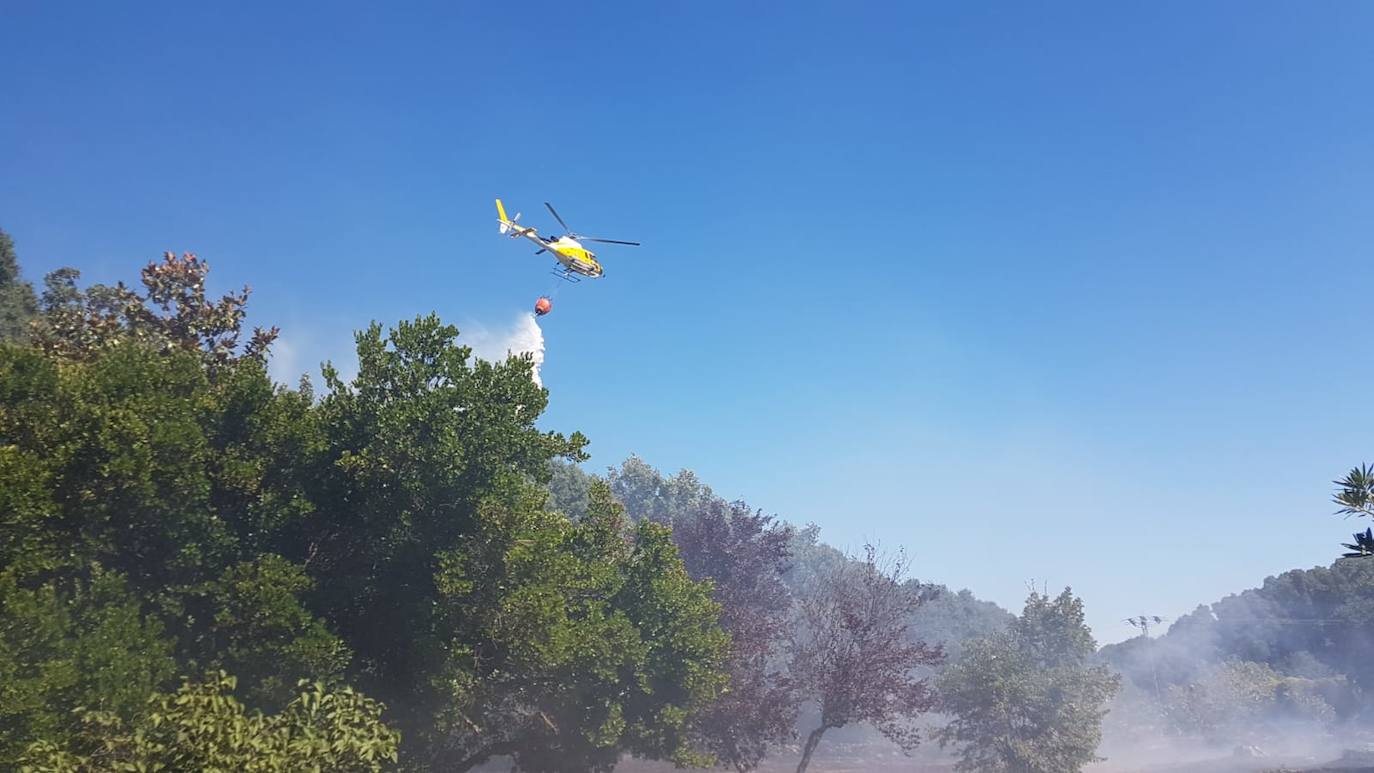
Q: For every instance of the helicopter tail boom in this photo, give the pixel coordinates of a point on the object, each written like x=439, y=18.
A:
x=510, y=225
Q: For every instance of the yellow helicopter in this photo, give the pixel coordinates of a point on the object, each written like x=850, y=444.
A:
x=575, y=260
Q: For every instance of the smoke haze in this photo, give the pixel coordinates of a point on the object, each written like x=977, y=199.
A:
x=524, y=337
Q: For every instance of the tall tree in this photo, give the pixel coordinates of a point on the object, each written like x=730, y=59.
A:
x=393, y=532
x=491, y=625
x=172, y=313
x=569, y=488
x=648, y=494
x=853, y=653
x=744, y=554
x=1355, y=496
x=18, y=304
x=1028, y=701
x=574, y=644
x=137, y=499
x=203, y=727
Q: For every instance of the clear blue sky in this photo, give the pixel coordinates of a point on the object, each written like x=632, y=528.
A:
x=1061, y=293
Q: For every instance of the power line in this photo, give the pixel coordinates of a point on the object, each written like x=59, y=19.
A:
x=1143, y=622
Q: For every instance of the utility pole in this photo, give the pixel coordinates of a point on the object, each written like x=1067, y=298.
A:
x=1143, y=623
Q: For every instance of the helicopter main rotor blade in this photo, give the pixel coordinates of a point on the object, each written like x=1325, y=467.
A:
x=556, y=217
x=606, y=241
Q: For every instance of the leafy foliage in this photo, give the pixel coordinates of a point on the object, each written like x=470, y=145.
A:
x=78, y=641
x=949, y=619
x=1356, y=493
x=135, y=461
x=262, y=631
x=1239, y=695
x=760, y=567
x=853, y=655
x=18, y=305
x=577, y=645
x=202, y=727
x=569, y=488
x=648, y=495
x=174, y=313
x=745, y=555
x=1355, y=496
x=1028, y=700
x=165, y=508
x=155, y=486
x=1362, y=547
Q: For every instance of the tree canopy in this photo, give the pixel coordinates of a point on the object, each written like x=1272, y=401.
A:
x=852, y=653
x=18, y=304
x=167, y=510
x=1028, y=700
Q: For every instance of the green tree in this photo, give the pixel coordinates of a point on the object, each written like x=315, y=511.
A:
x=394, y=532
x=569, y=488
x=489, y=624
x=745, y=555
x=72, y=642
x=135, y=461
x=142, y=486
x=1027, y=701
x=572, y=645
x=1236, y=696
x=648, y=495
x=262, y=632
x=172, y=313
x=203, y=728
x=18, y=305
x=950, y=618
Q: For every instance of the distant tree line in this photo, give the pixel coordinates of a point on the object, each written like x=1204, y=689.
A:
x=1299, y=648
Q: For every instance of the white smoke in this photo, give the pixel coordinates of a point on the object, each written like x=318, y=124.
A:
x=302, y=349
x=496, y=345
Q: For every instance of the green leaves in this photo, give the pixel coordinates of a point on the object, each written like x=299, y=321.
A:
x=576, y=641
x=83, y=641
x=391, y=532
x=18, y=304
x=202, y=727
x=1362, y=546
x=262, y=632
x=174, y=314
x=1355, y=496
x=1356, y=493
x=1027, y=700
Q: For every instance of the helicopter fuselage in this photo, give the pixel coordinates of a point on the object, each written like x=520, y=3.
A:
x=574, y=256
x=567, y=251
